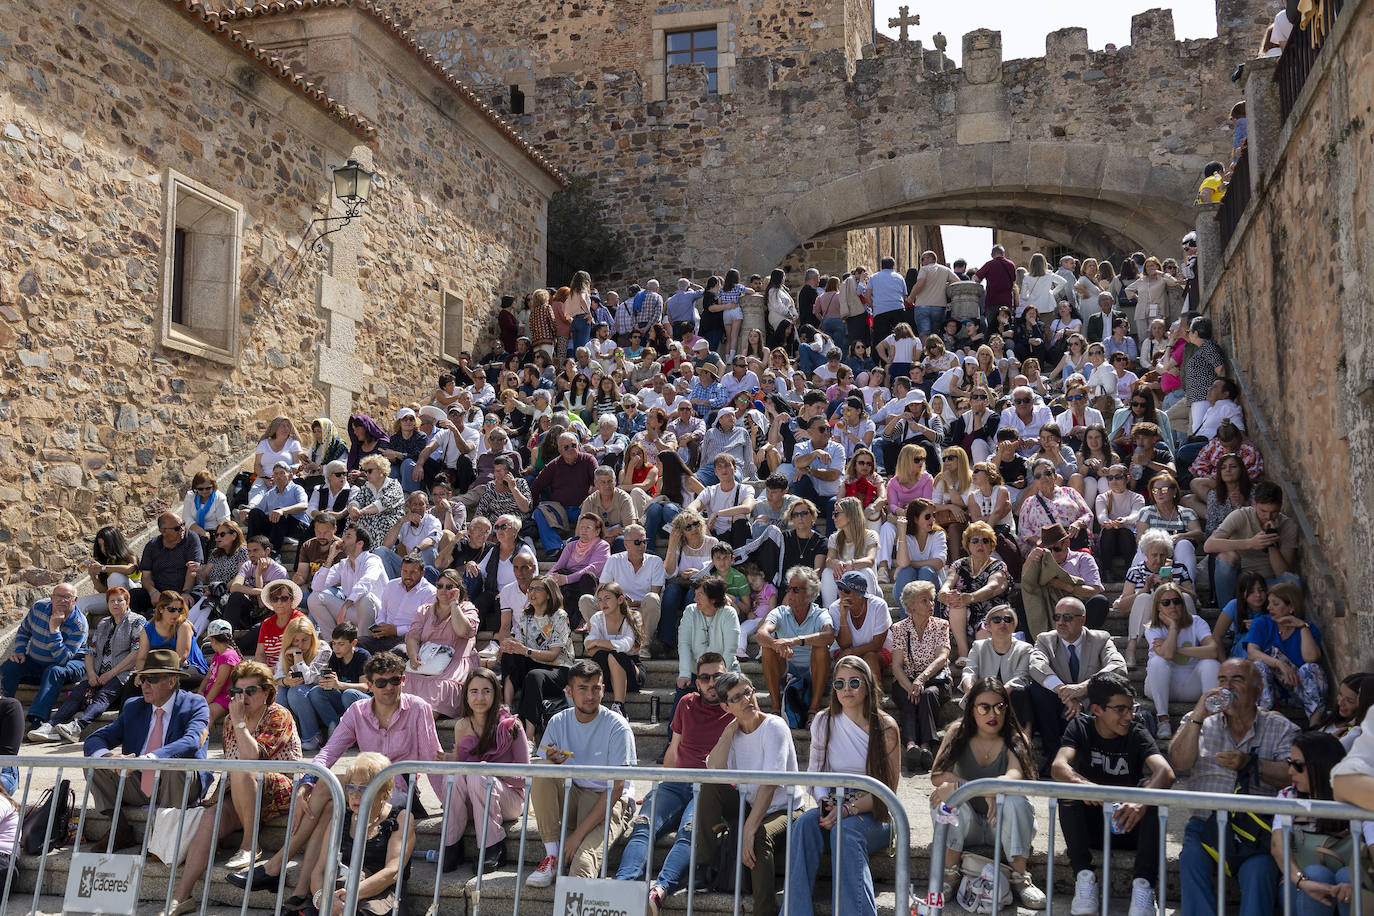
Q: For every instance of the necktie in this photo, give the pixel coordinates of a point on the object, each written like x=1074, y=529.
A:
x=1073, y=663
x=155, y=742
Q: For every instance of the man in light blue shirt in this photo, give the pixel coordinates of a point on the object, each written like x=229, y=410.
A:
x=795, y=641
x=681, y=307
x=819, y=465
x=281, y=511
x=888, y=290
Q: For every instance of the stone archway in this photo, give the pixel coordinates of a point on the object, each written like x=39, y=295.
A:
x=1079, y=194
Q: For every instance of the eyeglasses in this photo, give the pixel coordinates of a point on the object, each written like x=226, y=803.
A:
x=251, y=691
x=977, y=397
x=279, y=596
x=800, y=512
x=1164, y=489
x=853, y=683
x=172, y=528
x=504, y=526
x=984, y=709
x=205, y=489
x=793, y=589
x=1116, y=476
x=1064, y=618
x=152, y=678
x=947, y=459
x=1020, y=400
x=1074, y=397
x=691, y=526
x=1171, y=602
x=1140, y=404
x=1001, y=618
x=446, y=585
x=708, y=678
x=1298, y=766
x=740, y=697
x=981, y=540
x=224, y=534
x=1045, y=476
x=394, y=681
x=355, y=788
x=863, y=464
x=1122, y=709
x=339, y=474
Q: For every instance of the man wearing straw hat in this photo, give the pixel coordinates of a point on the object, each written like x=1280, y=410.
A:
x=164, y=721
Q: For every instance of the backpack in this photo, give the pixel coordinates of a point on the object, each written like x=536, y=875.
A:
x=58, y=805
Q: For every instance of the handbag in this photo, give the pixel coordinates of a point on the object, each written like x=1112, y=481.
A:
x=433, y=658
x=727, y=860
x=163, y=842
x=975, y=890
x=55, y=804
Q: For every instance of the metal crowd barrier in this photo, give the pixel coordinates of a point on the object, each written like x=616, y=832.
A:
x=221, y=768
x=1162, y=800
x=385, y=780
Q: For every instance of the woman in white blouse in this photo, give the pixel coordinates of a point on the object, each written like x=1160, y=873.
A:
x=613, y=641
x=1040, y=288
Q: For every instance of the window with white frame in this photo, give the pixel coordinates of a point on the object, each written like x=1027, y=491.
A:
x=203, y=233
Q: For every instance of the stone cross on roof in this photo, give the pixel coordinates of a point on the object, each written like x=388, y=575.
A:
x=902, y=20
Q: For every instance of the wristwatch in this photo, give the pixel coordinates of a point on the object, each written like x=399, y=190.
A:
x=242, y=725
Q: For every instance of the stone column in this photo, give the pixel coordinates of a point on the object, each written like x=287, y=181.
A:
x=965, y=299
x=1208, y=249
x=1263, y=122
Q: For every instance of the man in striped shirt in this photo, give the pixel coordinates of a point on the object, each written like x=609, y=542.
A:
x=49, y=650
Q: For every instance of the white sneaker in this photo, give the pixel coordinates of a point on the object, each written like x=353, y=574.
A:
x=70, y=731
x=543, y=875
x=1163, y=730
x=43, y=733
x=1142, y=898
x=1086, y=897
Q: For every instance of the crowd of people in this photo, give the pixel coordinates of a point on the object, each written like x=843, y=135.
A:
x=700, y=488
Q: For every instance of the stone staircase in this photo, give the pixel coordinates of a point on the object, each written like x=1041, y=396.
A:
x=458, y=891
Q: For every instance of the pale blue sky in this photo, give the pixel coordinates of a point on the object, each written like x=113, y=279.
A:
x=1024, y=27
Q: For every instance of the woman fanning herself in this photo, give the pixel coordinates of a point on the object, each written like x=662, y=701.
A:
x=973, y=586
x=987, y=742
x=853, y=735
x=485, y=732
x=614, y=641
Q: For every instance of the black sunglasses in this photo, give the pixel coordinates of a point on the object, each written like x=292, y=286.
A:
x=1299, y=766
x=394, y=681
x=1171, y=602
x=251, y=690
x=1064, y=618
x=1001, y=618
x=1020, y=400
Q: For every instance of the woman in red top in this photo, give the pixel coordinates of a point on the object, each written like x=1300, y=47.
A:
x=281, y=598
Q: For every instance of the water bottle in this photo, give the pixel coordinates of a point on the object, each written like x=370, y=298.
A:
x=1219, y=702
x=431, y=855
x=946, y=815
x=653, y=709
x=1116, y=827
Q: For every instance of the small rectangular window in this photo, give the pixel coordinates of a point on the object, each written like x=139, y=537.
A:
x=694, y=46
x=202, y=235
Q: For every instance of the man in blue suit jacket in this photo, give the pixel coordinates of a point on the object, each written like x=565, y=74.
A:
x=165, y=721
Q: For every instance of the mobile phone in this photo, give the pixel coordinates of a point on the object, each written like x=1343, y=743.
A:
x=1166, y=572
x=550, y=750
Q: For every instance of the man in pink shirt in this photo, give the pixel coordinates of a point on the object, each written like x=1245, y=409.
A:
x=398, y=725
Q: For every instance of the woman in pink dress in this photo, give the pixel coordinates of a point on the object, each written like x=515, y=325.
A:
x=451, y=621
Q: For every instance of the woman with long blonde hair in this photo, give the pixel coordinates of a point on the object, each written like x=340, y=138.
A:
x=853, y=547
x=951, y=494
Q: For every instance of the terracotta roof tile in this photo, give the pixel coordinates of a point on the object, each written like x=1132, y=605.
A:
x=216, y=25
x=254, y=9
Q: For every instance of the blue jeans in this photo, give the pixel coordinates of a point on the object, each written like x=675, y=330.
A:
x=809, y=360
x=49, y=678
x=805, y=487
x=402, y=472
x=1303, y=905
x=581, y=333
x=838, y=331
x=908, y=574
x=329, y=705
x=929, y=318
x=656, y=518
x=1258, y=878
x=713, y=337
x=673, y=811
x=708, y=476
x=551, y=539
x=858, y=837
x=675, y=598
x=297, y=699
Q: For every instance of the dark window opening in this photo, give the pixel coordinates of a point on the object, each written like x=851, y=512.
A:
x=517, y=100
x=179, y=240
x=694, y=46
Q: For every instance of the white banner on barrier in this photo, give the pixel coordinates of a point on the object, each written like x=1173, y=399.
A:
x=599, y=897
x=100, y=883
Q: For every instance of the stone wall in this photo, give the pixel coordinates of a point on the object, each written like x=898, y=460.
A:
x=100, y=423
x=1293, y=294
x=1096, y=150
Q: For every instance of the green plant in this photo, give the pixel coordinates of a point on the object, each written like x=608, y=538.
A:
x=580, y=234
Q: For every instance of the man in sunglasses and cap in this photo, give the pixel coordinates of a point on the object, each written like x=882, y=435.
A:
x=164, y=721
